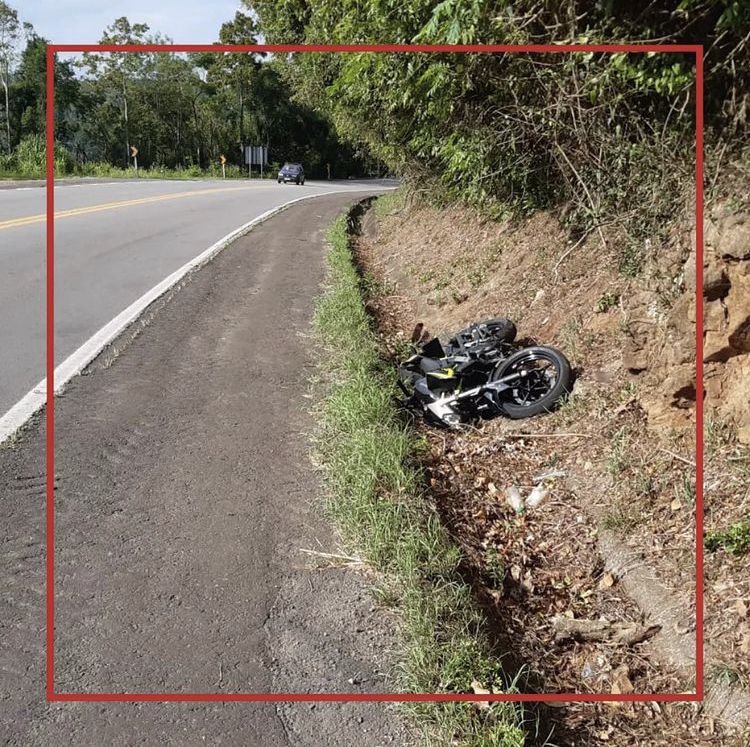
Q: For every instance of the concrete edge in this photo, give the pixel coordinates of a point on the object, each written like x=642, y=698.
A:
x=36, y=398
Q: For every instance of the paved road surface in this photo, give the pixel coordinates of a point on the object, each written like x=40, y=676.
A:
x=121, y=239
x=183, y=497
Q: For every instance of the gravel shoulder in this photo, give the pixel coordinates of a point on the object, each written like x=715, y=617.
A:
x=184, y=496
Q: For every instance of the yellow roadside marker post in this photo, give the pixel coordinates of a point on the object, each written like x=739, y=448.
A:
x=223, y=160
x=134, y=155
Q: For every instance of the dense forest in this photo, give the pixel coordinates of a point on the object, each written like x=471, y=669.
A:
x=180, y=111
x=502, y=132
x=611, y=137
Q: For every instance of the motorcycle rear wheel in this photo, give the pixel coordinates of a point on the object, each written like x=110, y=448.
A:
x=546, y=378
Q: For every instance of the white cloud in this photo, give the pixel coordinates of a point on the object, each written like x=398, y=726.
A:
x=82, y=21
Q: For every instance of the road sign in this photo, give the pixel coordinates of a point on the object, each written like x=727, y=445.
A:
x=223, y=159
x=133, y=151
x=256, y=154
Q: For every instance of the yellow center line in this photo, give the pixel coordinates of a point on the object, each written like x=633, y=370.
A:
x=41, y=217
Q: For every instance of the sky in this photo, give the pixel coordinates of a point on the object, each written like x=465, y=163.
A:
x=82, y=21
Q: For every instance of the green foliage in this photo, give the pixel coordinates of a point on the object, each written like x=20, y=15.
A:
x=608, y=301
x=610, y=134
x=30, y=158
x=181, y=112
x=368, y=457
x=735, y=540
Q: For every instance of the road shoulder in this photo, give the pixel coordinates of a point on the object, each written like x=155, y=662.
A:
x=184, y=499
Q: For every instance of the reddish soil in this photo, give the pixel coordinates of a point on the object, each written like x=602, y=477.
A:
x=625, y=427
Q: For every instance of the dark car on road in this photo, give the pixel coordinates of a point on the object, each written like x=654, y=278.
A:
x=291, y=172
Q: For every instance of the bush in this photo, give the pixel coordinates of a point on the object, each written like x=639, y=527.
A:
x=31, y=157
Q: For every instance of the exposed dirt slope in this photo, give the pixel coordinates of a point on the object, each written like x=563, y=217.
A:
x=621, y=518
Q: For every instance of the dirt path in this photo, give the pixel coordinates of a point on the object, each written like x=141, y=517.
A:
x=184, y=495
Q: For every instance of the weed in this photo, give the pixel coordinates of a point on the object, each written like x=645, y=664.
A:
x=717, y=435
x=373, y=288
x=621, y=518
x=476, y=277
x=618, y=461
x=686, y=488
x=494, y=566
x=459, y=296
x=727, y=674
x=570, y=336
x=426, y=278
x=735, y=540
x=608, y=301
x=632, y=259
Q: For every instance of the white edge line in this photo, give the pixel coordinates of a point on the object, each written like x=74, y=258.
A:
x=35, y=399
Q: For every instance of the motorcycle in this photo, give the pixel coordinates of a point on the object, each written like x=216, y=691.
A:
x=480, y=372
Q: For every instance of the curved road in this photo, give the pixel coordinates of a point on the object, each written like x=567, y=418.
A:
x=188, y=527
x=113, y=242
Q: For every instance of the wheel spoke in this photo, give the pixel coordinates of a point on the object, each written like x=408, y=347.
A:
x=537, y=378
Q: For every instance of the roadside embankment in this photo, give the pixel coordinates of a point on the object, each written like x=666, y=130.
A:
x=616, y=538
x=369, y=457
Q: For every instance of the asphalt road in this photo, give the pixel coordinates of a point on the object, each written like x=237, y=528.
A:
x=184, y=498
x=121, y=239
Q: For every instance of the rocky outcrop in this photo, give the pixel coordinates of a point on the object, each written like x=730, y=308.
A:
x=661, y=327
x=726, y=327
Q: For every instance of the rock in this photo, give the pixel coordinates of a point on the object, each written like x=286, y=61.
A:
x=671, y=405
x=514, y=500
x=738, y=322
x=734, y=238
x=714, y=331
x=537, y=496
x=688, y=270
x=728, y=393
x=635, y=359
x=716, y=283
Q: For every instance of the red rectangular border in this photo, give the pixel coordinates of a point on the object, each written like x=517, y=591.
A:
x=52, y=50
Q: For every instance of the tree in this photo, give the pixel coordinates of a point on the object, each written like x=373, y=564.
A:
x=30, y=95
x=114, y=72
x=238, y=70
x=9, y=34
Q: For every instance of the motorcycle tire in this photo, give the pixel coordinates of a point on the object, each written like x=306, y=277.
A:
x=500, y=329
x=512, y=401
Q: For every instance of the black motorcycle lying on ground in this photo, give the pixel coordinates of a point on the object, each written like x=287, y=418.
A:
x=481, y=373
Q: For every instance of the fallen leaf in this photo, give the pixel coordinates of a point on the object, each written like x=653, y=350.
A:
x=676, y=504
x=607, y=581
x=741, y=608
x=621, y=683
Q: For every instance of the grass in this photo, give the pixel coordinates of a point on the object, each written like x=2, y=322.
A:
x=117, y=172
x=369, y=459
x=390, y=203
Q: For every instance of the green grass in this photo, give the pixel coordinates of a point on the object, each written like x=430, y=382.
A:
x=390, y=203
x=369, y=459
x=117, y=172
